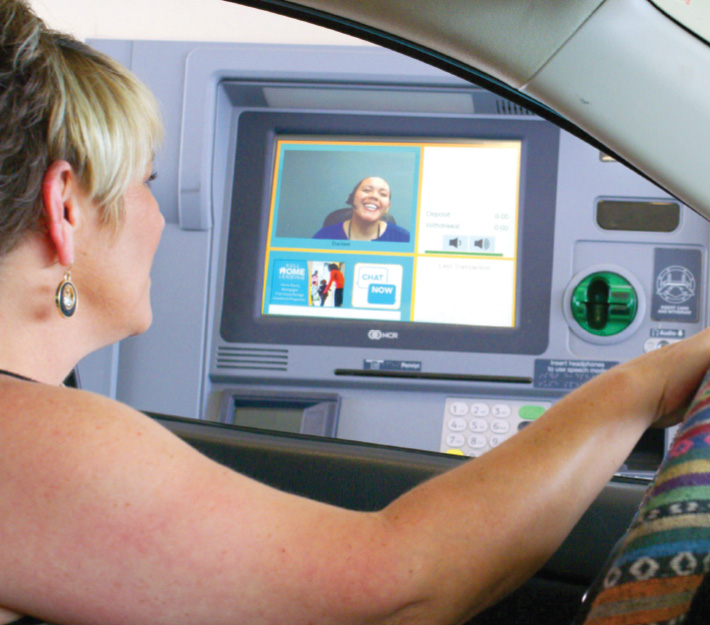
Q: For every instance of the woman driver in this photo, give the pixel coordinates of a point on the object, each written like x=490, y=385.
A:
x=107, y=518
x=370, y=202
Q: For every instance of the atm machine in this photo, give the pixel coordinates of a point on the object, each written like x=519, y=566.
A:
x=534, y=261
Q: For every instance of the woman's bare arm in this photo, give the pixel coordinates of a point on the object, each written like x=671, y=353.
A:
x=108, y=518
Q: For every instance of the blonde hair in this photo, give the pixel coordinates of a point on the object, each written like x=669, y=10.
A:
x=62, y=100
x=104, y=121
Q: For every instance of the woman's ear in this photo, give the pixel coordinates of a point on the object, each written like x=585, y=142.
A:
x=61, y=209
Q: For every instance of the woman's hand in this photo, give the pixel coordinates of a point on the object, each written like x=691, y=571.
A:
x=668, y=377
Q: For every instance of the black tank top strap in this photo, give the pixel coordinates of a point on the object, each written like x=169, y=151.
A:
x=19, y=377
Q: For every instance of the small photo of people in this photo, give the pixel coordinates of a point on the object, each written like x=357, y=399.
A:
x=327, y=284
x=332, y=191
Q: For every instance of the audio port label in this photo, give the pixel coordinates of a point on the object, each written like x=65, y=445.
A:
x=568, y=374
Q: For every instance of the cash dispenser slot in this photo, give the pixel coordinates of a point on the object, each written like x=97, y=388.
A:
x=297, y=413
x=439, y=377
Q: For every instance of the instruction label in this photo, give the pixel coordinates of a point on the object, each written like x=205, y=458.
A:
x=568, y=374
x=667, y=333
x=676, y=285
x=391, y=365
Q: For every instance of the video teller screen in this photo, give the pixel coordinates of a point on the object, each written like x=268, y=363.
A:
x=394, y=230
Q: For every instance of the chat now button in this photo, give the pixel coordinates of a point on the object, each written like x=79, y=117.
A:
x=382, y=294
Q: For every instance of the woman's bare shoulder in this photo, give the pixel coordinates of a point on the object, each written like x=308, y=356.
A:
x=67, y=440
x=109, y=517
x=91, y=486
x=56, y=420
x=66, y=435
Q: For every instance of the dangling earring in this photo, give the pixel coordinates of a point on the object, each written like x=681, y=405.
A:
x=66, y=297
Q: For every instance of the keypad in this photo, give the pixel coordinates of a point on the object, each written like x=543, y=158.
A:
x=472, y=427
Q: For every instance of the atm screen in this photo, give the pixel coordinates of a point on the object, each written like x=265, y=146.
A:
x=444, y=246
x=442, y=217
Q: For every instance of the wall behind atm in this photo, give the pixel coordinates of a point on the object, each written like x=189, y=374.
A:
x=186, y=20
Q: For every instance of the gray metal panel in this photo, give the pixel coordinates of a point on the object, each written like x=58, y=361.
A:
x=161, y=65
x=118, y=49
x=171, y=369
x=98, y=372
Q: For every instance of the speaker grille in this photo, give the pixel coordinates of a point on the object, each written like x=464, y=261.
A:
x=252, y=358
x=505, y=107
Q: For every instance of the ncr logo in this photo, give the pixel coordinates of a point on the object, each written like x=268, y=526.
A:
x=379, y=335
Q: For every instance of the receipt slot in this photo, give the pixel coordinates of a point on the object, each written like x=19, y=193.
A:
x=604, y=305
x=294, y=412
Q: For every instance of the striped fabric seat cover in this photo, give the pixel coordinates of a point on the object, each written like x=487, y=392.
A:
x=657, y=574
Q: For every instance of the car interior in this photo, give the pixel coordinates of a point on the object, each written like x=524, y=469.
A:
x=581, y=135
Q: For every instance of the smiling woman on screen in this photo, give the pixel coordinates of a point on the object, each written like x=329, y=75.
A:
x=369, y=221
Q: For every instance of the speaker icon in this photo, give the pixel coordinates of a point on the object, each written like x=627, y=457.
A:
x=482, y=244
x=451, y=243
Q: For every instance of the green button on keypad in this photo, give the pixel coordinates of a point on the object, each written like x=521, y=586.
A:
x=530, y=413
